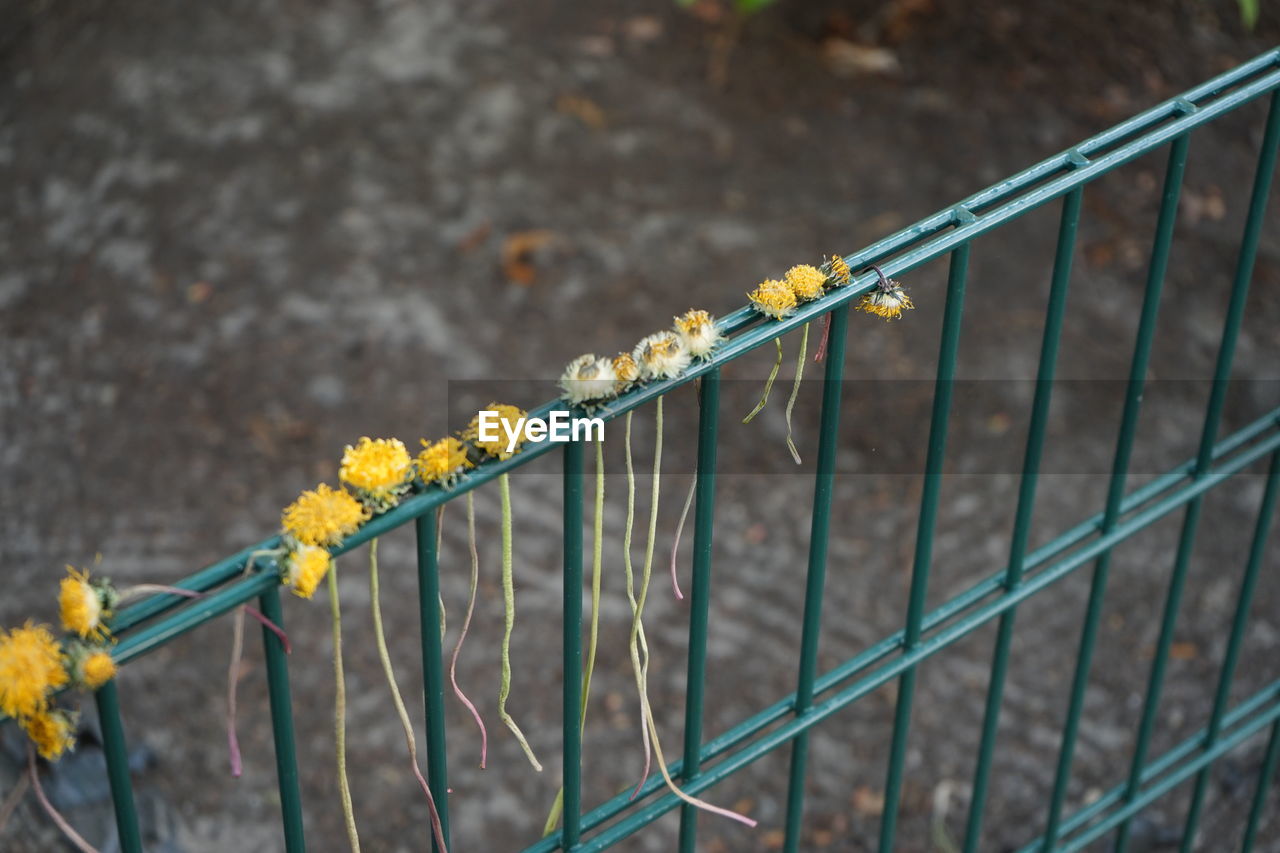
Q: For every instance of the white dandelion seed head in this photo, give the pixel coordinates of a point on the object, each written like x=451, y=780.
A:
x=589, y=378
x=661, y=355
x=698, y=332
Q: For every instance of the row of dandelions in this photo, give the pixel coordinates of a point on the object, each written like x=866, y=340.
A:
x=36, y=666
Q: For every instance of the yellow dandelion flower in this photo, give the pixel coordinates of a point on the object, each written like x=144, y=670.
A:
x=509, y=420
x=838, y=270
x=442, y=461
x=304, y=568
x=661, y=355
x=888, y=304
x=30, y=669
x=84, y=606
x=378, y=469
x=806, y=282
x=587, y=379
x=773, y=298
x=626, y=369
x=698, y=332
x=323, y=517
x=95, y=669
x=53, y=733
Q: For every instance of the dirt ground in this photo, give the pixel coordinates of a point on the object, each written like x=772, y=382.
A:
x=236, y=236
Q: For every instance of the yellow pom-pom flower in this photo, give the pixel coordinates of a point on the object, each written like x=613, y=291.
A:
x=626, y=369
x=323, y=517
x=31, y=668
x=661, y=355
x=773, y=298
x=698, y=332
x=886, y=301
x=442, y=461
x=588, y=379
x=806, y=282
x=90, y=667
x=53, y=733
x=379, y=470
x=304, y=568
x=509, y=421
x=838, y=270
x=85, y=605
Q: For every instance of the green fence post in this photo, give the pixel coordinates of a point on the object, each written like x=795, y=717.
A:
x=1265, y=772
x=572, y=751
x=117, y=755
x=700, y=595
x=815, y=581
x=947, y=355
x=282, y=723
x=432, y=667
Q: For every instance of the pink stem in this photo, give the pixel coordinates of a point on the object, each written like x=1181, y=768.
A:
x=251, y=610
x=466, y=624
x=675, y=549
x=67, y=830
x=822, y=342
x=233, y=679
x=436, y=828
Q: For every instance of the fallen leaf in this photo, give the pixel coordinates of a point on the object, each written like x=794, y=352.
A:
x=773, y=839
x=517, y=254
x=199, y=292
x=583, y=109
x=1184, y=651
x=867, y=802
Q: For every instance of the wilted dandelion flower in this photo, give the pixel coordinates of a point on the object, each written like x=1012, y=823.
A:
x=304, y=568
x=698, y=332
x=888, y=300
x=90, y=667
x=773, y=298
x=661, y=355
x=588, y=379
x=379, y=470
x=510, y=421
x=806, y=282
x=626, y=370
x=837, y=270
x=84, y=605
x=323, y=517
x=442, y=461
x=30, y=669
x=53, y=733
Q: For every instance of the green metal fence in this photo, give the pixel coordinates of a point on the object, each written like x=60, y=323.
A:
x=818, y=696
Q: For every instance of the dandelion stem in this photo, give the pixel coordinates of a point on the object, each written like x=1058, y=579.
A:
x=768, y=384
x=233, y=679
x=509, y=600
x=340, y=712
x=12, y=799
x=639, y=643
x=597, y=560
x=795, y=390
x=466, y=624
x=387, y=670
x=637, y=616
x=160, y=589
x=821, y=353
x=439, y=541
x=675, y=548
x=67, y=830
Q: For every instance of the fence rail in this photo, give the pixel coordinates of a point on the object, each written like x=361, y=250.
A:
x=159, y=619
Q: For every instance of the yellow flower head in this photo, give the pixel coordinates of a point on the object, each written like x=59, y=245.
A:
x=53, y=733
x=838, y=270
x=442, y=461
x=661, y=355
x=698, y=332
x=84, y=605
x=30, y=669
x=888, y=304
x=378, y=469
x=773, y=298
x=509, y=421
x=304, y=568
x=90, y=667
x=806, y=282
x=588, y=378
x=323, y=517
x=626, y=369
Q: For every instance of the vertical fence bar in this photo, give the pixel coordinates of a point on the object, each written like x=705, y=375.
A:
x=1026, y=505
x=947, y=356
x=1213, y=417
x=282, y=723
x=571, y=755
x=823, y=484
x=700, y=594
x=1229, y=659
x=432, y=666
x=1119, y=475
x=117, y=755
x=1265, y=772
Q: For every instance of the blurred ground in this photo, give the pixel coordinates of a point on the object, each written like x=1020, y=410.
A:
x=237, y=236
